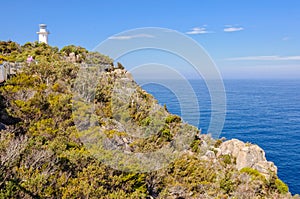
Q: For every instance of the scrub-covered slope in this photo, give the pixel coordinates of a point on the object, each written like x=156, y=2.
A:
x=63, y=138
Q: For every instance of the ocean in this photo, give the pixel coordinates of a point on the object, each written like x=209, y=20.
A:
x=262, y=112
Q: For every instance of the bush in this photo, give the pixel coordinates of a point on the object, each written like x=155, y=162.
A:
x=195, y=146
x=73, y=49
x=227, y=185
x=145, y=122
x=226, y=159
x=173, y=118
x=166, y=133
x=250, y=171
x=218, y=143
x=281, y=186
x=254, y=173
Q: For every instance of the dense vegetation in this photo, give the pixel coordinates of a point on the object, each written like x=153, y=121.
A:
x=43, y=155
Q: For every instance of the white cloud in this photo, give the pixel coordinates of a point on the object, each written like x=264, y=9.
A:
x=127, y=37
x=266, y=58
x=230, y=28
x=198, y=30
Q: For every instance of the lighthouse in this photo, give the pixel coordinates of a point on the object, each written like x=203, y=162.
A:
x=43, y=34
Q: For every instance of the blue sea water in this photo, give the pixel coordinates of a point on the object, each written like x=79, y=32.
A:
x=263, y=112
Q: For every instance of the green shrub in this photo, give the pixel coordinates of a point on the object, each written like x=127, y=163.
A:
x=281, y=186
x=145, y=122
x=172, y=118
x=227, y=159
x=166, y=133
x=250, y=171
x=195, y=146
x=112, y=133
x=218, y=143
x=254, y=173
x=227, y=185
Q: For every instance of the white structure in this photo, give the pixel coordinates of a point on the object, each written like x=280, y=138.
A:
x=43, y=33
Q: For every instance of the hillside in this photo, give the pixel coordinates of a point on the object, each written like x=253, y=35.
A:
x=66, y=136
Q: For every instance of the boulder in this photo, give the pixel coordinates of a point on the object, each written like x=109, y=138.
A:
x=72, y=57
x=210, y=154
x=247, y=155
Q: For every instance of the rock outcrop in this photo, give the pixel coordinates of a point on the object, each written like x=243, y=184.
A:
x=72, y=57
x=247, y=155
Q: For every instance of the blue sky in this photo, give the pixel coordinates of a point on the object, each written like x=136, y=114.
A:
x=246, y=39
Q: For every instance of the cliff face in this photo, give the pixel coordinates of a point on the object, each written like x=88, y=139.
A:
x=75, y=137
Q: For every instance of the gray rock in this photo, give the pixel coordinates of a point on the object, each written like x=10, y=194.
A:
x=119, y=141
x=210, y=154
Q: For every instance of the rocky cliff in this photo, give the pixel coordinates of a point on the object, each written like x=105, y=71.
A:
x=74, y=137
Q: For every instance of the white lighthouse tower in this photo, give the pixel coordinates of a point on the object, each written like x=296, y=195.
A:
x=43, y=34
